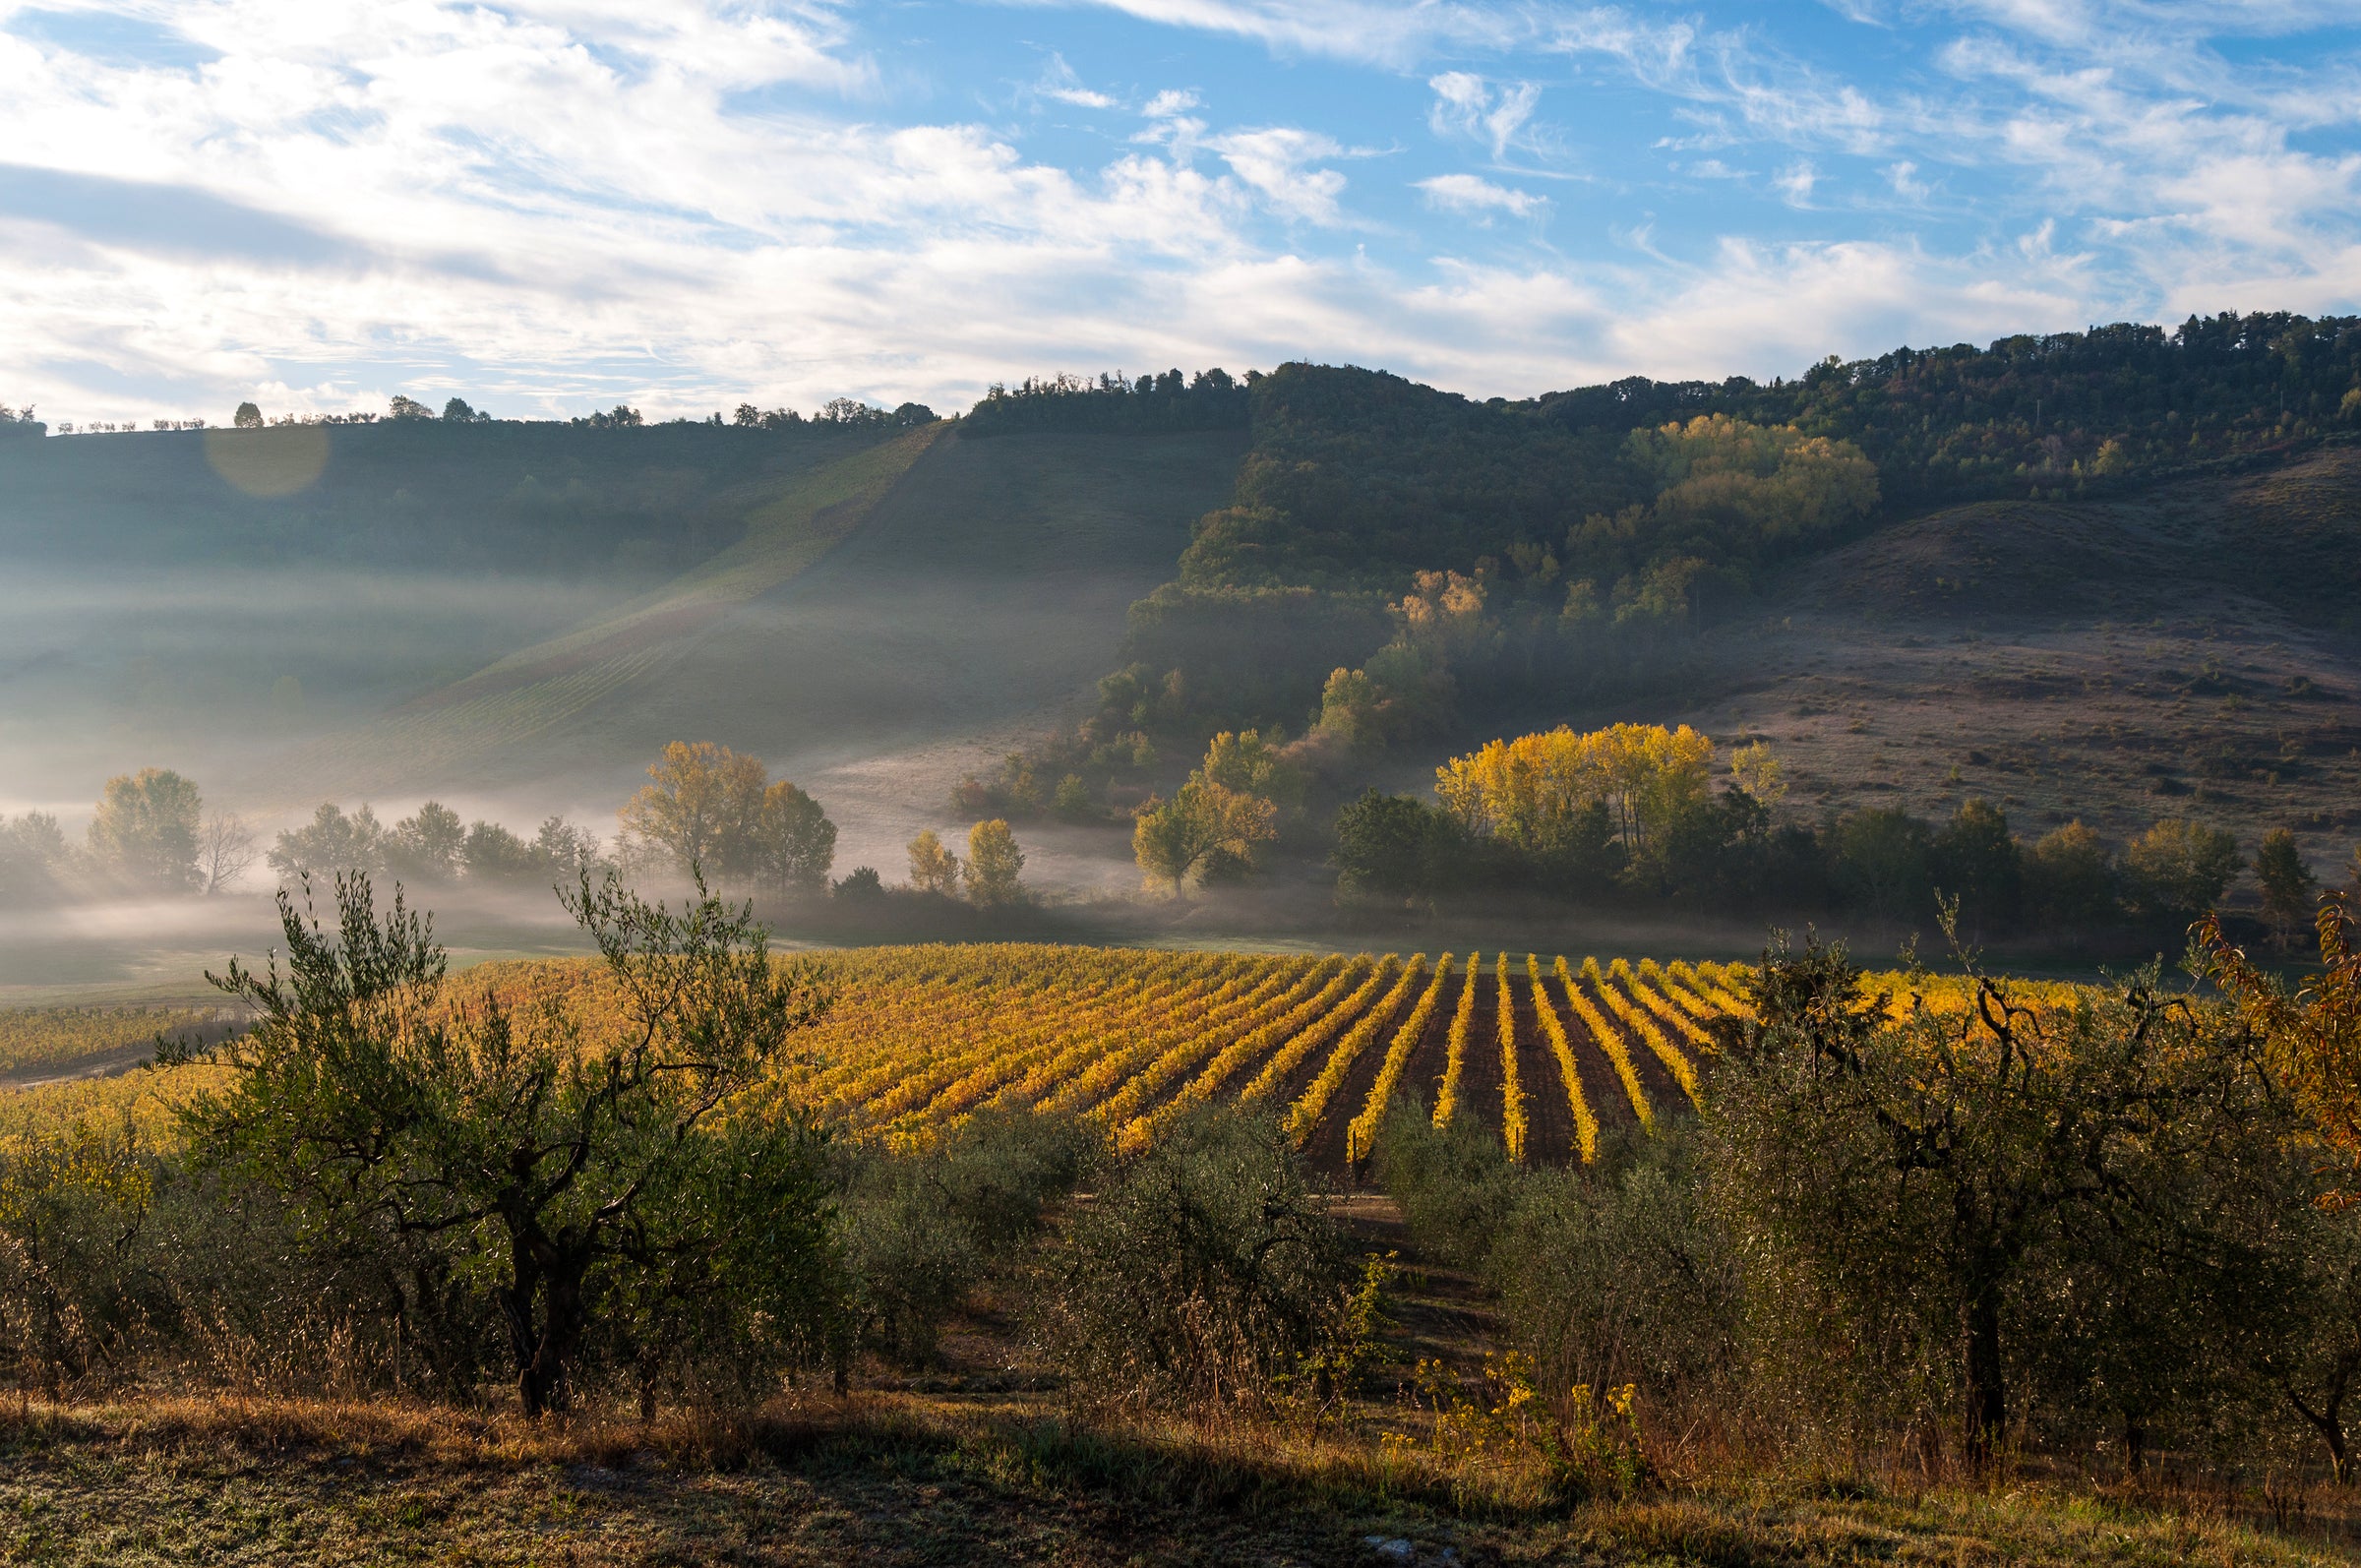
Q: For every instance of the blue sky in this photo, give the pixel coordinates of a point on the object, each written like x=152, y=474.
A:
x=551, y=207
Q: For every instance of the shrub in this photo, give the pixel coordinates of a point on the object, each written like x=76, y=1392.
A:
x=922, y=1230
x=1453, y=1184
x=1613, y=1275
x=1205, y=1275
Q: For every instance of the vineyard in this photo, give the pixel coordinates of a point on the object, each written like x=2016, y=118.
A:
x=1549, y=1054
x=1541, y=1052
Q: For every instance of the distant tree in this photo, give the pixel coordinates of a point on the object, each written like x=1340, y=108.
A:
x=426, y=847
x=862, y=882
x=1244, y=763
x=584, y=1179
x=2070, y=878
x=1391, y=849
x=248, y=417
x=1977, y=862
x=329, y=843
x=2288, y=888
x=746, y=417
x=792, y=842
x=493, y=854
x=566, y=848
x=226, y=847
x=1753, y=769
x=33, y=854
x=933, y=869
x=458, y=413
x=408, y=409
x=914, y=414
x=700, y=805
x=146, y=829
x=1072, y=800
x=1882, y=861
x=1203, y=826
x=2179, y=868
x=992, y=863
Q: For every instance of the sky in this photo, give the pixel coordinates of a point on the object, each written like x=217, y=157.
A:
x=555, y=205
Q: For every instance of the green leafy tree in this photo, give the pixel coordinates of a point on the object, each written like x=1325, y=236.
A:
x=248, y=417
x=1883, y=861
x=992, y=863
x=2288, y=888
x=2070, y=878
x=589, y=1181
x=1918, y=1200
x=1244, y=763
x=1391, y=849
x=331, y=844
x=791, y=844
x=2179, y=868
x=427, y=846
x=493, y=854
x=147, y=827
x=1977, y=862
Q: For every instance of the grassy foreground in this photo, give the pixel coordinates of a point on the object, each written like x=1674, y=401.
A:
x=914, y=1478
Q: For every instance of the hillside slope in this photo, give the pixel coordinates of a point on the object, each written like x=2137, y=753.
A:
x=2190, y=651
x=915, y=596
x=202, y=600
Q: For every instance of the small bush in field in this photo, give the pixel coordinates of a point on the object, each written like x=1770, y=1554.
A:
x=923, y=1230
x=1205, y=1275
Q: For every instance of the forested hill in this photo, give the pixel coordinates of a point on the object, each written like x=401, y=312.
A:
x=1360, y=478
x=578, y=500
x=1397, y=563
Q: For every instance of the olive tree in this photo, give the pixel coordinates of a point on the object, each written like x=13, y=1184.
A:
x=602, y=1187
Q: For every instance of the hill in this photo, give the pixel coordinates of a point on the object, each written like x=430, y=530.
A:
x=2187, y=651
x=2105, y=574
x=201, y=597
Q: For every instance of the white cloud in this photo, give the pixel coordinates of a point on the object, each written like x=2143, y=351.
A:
x=1277, y=162
x=1469, y=194
x=566, y=203
x=1468, y=105
x=1060, y=84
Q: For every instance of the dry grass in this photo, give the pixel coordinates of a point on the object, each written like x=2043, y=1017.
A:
x=896, y=1479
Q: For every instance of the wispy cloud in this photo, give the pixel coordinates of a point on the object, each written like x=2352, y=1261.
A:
x=1473, y=195
x=1061, y=84
x=556, y=203
x=1468, y=105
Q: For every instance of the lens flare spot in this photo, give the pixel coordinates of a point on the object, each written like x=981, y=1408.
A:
x=276, y=461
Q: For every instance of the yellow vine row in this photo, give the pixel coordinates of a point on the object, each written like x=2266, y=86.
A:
x=1691, y=1006
x=1609, y=1037
x=1676, y=1060
x=1290, y=1055
x=1274, y=994
x=1122, y=1063
x=1553, y=1028
x=1512, y=1092
x=1248, y=1047
x=1361, y=1136
x=1455, y=1057
x=1655, y=993
x=1305, y=1113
